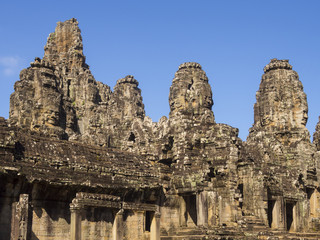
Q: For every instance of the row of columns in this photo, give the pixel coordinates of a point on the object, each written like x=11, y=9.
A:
x=117, y=229
x=284, y=214
x=21, y=221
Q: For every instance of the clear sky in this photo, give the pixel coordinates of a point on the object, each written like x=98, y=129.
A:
x=232, y=40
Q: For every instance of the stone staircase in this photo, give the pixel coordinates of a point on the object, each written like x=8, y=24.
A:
x=295, y=236
x=200, y=233
x=249, y=228
x=253, y=223
x=187, y=233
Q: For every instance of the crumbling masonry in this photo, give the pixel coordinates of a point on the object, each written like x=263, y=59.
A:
x=80, y=161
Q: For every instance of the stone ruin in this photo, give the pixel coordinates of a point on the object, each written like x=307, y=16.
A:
x=82, y=161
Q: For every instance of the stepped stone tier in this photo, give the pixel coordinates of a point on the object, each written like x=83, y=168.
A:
x=81, y=161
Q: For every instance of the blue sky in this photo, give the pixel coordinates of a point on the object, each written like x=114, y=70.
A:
x=232, y=40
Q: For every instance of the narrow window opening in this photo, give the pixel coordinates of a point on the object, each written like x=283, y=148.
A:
x=211, y=174
x=132, y=137
x=240, y=188
x=68, y=87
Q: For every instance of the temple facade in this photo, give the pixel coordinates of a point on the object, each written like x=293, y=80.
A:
x=81, y=161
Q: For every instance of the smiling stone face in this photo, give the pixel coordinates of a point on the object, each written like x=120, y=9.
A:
x=281, y=102
x=190, y=92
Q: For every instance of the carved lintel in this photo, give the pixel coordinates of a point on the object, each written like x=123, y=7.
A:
x=96, y=196
x=140, y=206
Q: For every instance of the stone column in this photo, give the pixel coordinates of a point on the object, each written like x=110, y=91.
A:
x=14, y=222
x=202, y=209
x=278, y=214
x=20, y=218
x=182, y=212
x=212, y=208
x=155, y=227
x=314, y=204
x=225, y=210
x=75, y=225
x=139, y=216
x=117, y=228
x=295, y=216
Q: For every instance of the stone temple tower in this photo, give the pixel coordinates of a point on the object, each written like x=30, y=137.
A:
x=281, y=102
x=190, y=93
x=281, y=155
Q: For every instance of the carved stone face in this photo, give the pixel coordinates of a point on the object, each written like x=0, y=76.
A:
x=281, y=102
x=304, y=118
x=53, y=118
x=190, y=90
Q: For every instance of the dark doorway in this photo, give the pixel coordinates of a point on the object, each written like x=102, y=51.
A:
x=148, y=221
x=271, y=204
x=191, y=207
x=289, y=215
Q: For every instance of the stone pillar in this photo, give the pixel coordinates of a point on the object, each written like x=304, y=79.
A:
x=314, y=204
x=212, y=209
x=295, y=213
x=278, y=214
x=75, y=225
x=225, y=210
x=14, y=222
x=139, y=214
x=314, y=209
x=182, y=212
x=202, y=209
x=155, y=227
x=117, y=228
x=20, y=218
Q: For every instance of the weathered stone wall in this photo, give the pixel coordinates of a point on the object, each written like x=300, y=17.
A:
x=170, y=215
x=50, y=220
x=134, y=225
x=97, y=224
